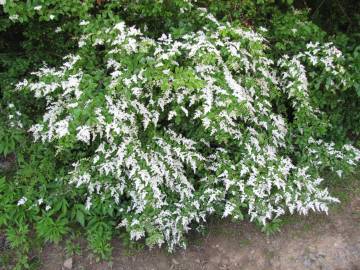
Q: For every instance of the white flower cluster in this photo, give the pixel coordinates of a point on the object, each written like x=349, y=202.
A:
x=14, y=117
x=295, y=77
x=178, y=128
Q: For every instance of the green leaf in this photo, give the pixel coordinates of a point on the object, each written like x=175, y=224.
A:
x=80, y=217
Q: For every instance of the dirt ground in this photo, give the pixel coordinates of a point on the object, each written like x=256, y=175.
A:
x=315, y=242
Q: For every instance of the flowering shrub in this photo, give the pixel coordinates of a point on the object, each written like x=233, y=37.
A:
x=290, y=33
x=160, y=116
x=171, y=130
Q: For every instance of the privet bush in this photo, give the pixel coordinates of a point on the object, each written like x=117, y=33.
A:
x=175, y=129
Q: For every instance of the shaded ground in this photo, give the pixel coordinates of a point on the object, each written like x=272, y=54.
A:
x=313, y=242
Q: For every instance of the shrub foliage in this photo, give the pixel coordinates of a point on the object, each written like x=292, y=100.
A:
x=149, y=130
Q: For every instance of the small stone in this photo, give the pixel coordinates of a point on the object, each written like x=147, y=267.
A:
x=68, y=263
x=175, y=262
x=197, y=261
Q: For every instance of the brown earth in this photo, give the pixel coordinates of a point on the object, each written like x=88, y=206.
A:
x=314, y=242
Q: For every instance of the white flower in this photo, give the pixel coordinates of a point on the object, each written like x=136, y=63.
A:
x=58, y=29
x=40, y=201
x=171, y=115
x=47, y=207
x=81, y=43
x=229, y=208
x=159, y=65
x=38, y=7
x=14, y=17
x=166, y=71
x=62, y=128
x=185, y=110
x=84, y=134
x=206, y=122
x=98, y=41
x=51, y=16
x=22, y=201
x=262, y=29
x=88, y=203
x=136, y=234
x=83, y=22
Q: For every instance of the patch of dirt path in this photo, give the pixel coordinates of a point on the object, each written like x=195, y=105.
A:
x=314, y=242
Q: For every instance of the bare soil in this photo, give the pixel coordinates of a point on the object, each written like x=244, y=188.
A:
x=314, y=242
